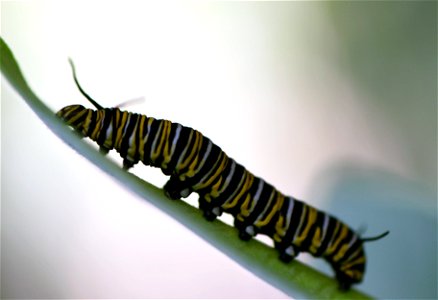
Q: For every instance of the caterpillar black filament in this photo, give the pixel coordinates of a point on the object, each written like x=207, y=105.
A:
x=195, y=164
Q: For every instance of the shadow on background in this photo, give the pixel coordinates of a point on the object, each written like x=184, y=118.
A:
x=403, y=264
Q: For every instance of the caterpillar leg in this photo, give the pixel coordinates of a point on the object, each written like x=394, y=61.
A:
x=176, y=189
x=246, y=231
x=127, y=164
x=103, y=150
x=344, y=281
x=286, y=254
x=209, y=211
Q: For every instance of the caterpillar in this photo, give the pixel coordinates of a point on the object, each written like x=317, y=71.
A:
x=195, y=164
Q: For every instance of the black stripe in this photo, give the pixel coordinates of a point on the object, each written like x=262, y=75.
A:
x=319, y=223
x=150, y=139
x=211, y=163
x=83, y=112
x=127, y=134
x=137, y=138
x=233, y=184
x=92, y=124
x=115, y=113
x=158, y=135
x=345, y=241
x=166, y=170
x=188, y=143
x=179, y=147
x=233, y=187
x=328, y=235
x=294, y=221
x=101, y=137
x=351, y=250
x=261, y=203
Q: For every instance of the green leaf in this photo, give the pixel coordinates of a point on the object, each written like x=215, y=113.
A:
x=295, y=279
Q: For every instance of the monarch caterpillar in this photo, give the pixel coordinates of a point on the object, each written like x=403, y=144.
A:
x=195, y=164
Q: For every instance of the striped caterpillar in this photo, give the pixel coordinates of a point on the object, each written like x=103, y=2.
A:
x=195, y=164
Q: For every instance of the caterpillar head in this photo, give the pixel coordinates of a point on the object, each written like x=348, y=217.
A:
x=75, y=116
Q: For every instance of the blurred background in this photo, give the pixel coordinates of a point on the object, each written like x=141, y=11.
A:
x=334, y=103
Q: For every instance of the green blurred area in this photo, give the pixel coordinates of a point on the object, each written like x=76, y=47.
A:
x=390, y=51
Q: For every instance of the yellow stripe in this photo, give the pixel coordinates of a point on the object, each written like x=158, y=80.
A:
x=244, y=208
x=192, y=133
x=240, y=216
x=281, y=226
x=354, y=274
x=97, y=125
x=194, y=151
x=116, y=129
x=218, y=170
x=87, y=121
x=196, y=161
x=275, y=208
x=167, y=148
x=280, y=229
x=215, y=188
x=132, y=148
x=164, y=135
x=359, y=260
x=316, y=241
x=77, y=116
x=311, y=219
x=141, y=140
x=122, y=118
x=344, y=231
x=249, y=178
x=335, y=231
x=341, y=252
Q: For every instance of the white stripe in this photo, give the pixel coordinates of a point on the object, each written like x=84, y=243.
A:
x=257, y=196
x=207, y=175
x=131, y=138
x=175, y=140
x=146, y=138
x=131, y=150
x=325, y=227
x=231, y=197
x=259, y=190
x=229, y=177
x=109, y=132
x=303, y=217
x=204, y=158
x=102, y=118
x=271, y=197
x=332, y=237
x=183, y=153
x=158, y=134
x=289, y=211
x=353, y=240
x=126, y=125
